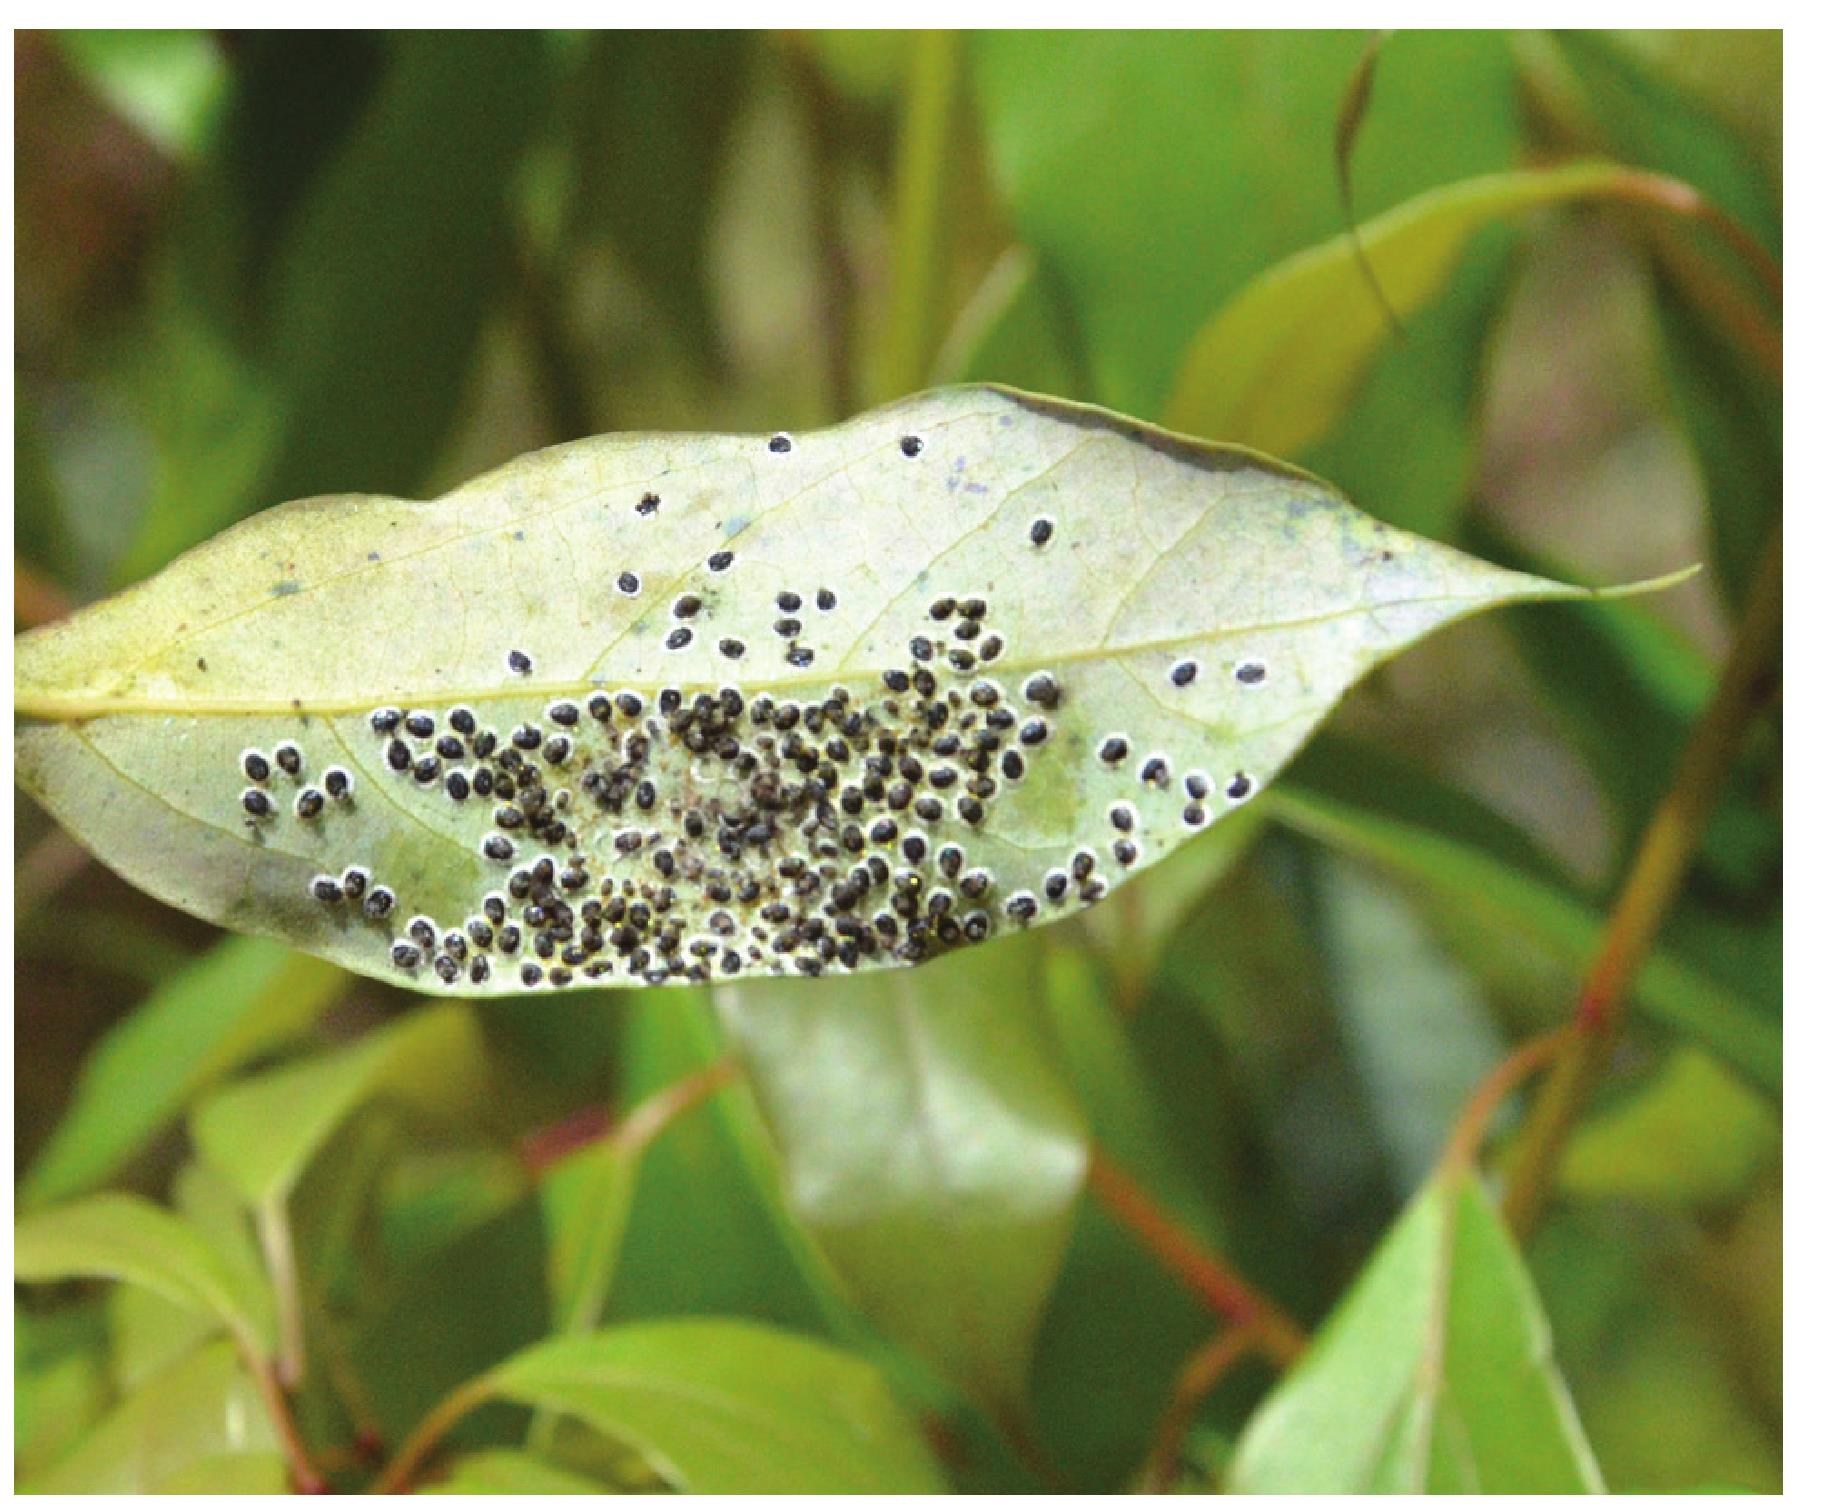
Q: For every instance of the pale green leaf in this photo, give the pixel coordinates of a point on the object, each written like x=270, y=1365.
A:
x=169, y=84
x=723, y=1405
x=243, y=998
x=1433, y=1374
x=120, y=1238
x=148, y=1332
x=261, y=1133
x=508, y=1472
x=1153, y=605
x=1276, y=366
x=197, y=1412
x=1418, y=1028
x=930, y=1145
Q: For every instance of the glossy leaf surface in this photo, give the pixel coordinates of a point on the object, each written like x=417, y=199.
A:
x=929, y=1144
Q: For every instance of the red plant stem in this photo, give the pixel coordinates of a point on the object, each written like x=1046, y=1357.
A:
x=1221, y=1289
x=1494, y=1089
x=1199, y=1377
x=305, y=1477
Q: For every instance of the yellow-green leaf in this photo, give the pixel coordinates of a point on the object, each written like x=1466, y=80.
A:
x=239, y=1000
x=1276, y=366
x=204, y=1410
x=261, y=1133
x=799, y=703
x=724, y=1405
x=1695, y=1134
x=121, y=1238
x=1434, y=1374
x=509, y=1472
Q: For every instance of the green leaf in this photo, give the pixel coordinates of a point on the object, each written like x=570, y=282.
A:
x=262, y=1133
x=721, y=1405
x=242, y=999
x=929, y=1144
x=1276, y=366
x=1647, y=121
x=147, y=1333
x=1503, y=898
x=119, y=1238
x=248, y=1473
x=648, y=156
x=169, y=84
x=1731, y=415
x=1418, y=1027
x=1156, y=172
x=1433, y=1374
x=711, y=1189
x=1013, y=331
x=60, y=1381
x=200, y=1409
x=1409, y=437
x=1693, y=1136
x=380, y=277
x=1154, y=605
x=508, y=1472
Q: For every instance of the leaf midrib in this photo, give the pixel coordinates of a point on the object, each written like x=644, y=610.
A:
x=78, y=709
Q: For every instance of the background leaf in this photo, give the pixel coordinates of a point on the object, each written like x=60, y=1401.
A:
x=1434, y=1374
x=261, y=1132
x=929, y=1144
x=245, y=998
x=507, y=1472
x=128, y=1239
x=1093, y=137
x=200, y=1409
x=1693, y=1135
x=1276, y=365
x=721, y=1405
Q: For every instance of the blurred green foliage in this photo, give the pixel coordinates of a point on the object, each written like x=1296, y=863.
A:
x=252, y=266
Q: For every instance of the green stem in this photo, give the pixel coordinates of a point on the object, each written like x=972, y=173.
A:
x=920, y=199
x=1657, y=874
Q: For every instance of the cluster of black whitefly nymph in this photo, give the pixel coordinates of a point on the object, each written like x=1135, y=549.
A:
x=685, y=835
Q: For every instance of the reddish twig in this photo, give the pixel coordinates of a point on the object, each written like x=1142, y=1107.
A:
x=1221, y=1289
x=1200, y=1376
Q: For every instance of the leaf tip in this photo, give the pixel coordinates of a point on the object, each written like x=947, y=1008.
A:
x=1648, y=585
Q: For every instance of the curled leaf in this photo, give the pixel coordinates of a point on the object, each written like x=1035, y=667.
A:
x=671, y=707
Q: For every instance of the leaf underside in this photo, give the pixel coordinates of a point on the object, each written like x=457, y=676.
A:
x=654, y=708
